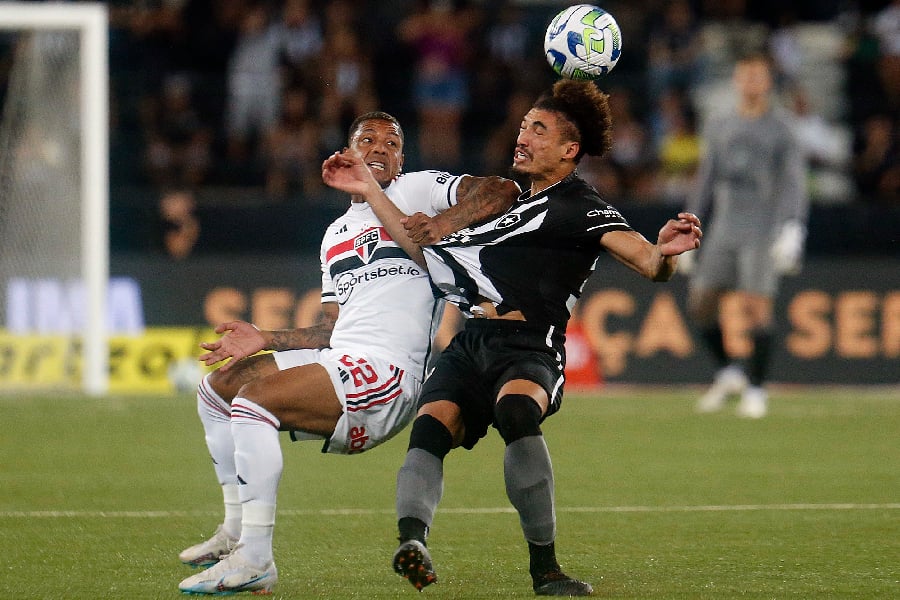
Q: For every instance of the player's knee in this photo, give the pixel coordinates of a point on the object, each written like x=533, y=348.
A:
x=517, y=416
x=218, y=382
x=231, y=383
x=430, y=435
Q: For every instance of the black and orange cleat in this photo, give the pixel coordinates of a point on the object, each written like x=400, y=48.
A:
x=557, y=583
x=413, y=563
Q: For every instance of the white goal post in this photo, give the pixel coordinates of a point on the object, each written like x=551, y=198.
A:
x=90, y=20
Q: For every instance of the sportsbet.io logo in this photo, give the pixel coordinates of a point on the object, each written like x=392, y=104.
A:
x=345, y=282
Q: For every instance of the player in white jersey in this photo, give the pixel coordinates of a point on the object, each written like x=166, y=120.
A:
x=352, y=379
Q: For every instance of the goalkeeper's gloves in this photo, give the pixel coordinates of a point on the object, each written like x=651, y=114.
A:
x=686, y=262
x=787, y=251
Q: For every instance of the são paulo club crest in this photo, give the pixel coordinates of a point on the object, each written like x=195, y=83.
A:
x=366, y=243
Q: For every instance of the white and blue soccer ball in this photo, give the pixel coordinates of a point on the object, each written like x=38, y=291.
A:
x=583, y=42
x=184, y=374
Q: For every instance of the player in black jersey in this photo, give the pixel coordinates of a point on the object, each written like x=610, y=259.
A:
x=517, y=276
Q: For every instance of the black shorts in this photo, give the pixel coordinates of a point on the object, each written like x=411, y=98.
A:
x=484, y=356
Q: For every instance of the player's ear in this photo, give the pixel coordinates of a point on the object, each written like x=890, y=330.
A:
x=572, y=150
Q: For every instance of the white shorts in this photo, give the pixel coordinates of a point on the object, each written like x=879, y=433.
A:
x=379, y=399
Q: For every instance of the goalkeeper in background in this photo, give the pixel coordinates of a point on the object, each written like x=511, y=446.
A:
x=751, y=191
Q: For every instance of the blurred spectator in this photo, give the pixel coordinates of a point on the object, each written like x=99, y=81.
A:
x=877, y=161
x=863, y=88
x=496, y=157
x=348, y=83
x=301, y=38
x=180, y=227
x=674, y=50
x=254, y=84
x=632, y=151
x=342, y=14
x=886, y=27
x=604, y=176
x=178, y=143
x=679, y=156
x=827, y=149
x=155, y=30
x=439, y=32
x=508, y=36
x=291, y=149
x=507, y=71
x=785, y=49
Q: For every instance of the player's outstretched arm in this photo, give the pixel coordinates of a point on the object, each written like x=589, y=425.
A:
x=658, y=261
x=242, y=339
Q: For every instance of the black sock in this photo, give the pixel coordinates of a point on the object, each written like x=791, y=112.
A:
x=758, y=365
x=411, y=528
x=712, y=337
x=543, y=559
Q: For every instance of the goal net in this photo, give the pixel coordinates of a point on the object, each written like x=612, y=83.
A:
x=54, y=257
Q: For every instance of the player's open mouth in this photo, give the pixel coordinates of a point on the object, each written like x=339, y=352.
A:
x=519, y=156
x=377, y=166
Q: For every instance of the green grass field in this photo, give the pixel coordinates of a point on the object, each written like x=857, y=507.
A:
x=97, y=497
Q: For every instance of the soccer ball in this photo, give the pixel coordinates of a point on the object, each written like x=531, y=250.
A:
x=184, y=374
x=583, y=42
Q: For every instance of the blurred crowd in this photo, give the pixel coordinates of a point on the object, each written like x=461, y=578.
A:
x=251, y=92
x=251, y=95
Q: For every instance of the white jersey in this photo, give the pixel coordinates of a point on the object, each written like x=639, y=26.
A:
x=387, y=307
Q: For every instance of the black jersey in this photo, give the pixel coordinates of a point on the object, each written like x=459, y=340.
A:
x=535, y=258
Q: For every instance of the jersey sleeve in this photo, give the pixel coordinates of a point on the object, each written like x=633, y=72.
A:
x=600, y=220
x=328, y=290
x=793, y=199
x=700, y=202
x=429, y=192
x=584, y=216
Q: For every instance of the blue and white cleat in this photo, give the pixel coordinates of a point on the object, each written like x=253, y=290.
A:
x=208, y=553
x=232, y=575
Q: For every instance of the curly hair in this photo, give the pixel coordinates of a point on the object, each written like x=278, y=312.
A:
x=586, y=109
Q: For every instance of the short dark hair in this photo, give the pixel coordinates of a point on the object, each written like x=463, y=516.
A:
x=586, y=108
x=755, y=55
x=375, y=115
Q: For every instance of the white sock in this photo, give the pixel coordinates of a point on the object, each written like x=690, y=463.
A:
x=259, y=464
x=215, y=415
x=233, y=511
x=257, y=528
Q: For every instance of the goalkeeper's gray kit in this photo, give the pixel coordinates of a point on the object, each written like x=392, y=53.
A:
x=752, y=196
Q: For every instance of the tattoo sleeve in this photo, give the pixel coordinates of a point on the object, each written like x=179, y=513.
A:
x=315, y=336
x=480, y=199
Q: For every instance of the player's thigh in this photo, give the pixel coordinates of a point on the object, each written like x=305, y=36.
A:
x=716, y=266
x=456, y=394
x=301, y=397
x=716, y=272
x=354, y=400
x=756, y=271
x=227, y=383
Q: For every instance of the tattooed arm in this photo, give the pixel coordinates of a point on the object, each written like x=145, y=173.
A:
x=478, y=199
x=242, y=339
